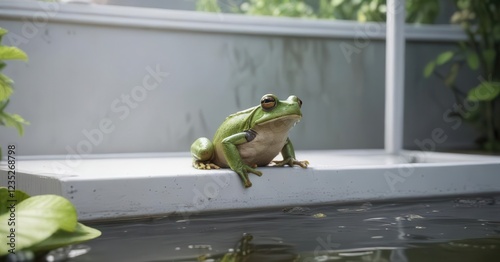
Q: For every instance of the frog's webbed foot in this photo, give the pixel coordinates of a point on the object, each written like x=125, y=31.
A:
x=204, y=165
x=243, y=171
x=292, y=162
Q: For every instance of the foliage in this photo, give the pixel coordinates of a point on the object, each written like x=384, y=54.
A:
x=208, y=6
x=481, y=52
x=8, y=119
x=289, y=8
x=418, y=11
x=42, y=222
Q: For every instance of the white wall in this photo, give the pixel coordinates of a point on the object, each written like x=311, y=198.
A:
x=86, y=58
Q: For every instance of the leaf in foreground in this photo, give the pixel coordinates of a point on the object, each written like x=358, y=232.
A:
x=62, y=238
x=7, y=196
x=37, y=218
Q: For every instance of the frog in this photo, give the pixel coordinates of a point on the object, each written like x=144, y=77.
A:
x=252, y=138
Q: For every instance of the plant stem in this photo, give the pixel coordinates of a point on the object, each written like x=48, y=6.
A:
x=454, y=89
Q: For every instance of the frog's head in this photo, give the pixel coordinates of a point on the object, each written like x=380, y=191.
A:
x=272, y=109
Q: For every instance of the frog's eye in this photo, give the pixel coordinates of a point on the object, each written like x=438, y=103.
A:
x=300, y=102
x=268, y=102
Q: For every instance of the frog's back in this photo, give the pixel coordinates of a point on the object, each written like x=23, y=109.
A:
x=234, y=123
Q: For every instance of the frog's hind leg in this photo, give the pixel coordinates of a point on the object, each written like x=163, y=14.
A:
x=202, y=151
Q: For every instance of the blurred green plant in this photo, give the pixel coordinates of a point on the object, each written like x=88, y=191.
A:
x=208, y=6
x=39, y=223
x=288, y=8
x=8, y=119
x=418, y=11
x=480, y=52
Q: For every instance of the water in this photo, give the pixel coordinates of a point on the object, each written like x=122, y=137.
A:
x=454, y=229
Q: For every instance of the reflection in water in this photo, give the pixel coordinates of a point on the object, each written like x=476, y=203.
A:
x=459, y=229
x=461, y=250
x=247, y=251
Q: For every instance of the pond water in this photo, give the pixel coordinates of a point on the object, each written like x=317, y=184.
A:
x=454, y=229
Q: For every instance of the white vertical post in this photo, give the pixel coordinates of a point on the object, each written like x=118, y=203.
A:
x=394, y=76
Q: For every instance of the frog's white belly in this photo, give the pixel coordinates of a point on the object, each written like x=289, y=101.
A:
x=270, y=139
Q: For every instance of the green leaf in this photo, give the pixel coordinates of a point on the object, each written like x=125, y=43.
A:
x=37, y=218
x=50, y=207
x=3, y=105
x=2, y=65
x=6, y=198
x=5, y=79
x=12, y=52
x=5, y=90
x=486, y=91
x=14, y=120
x=62, y=238
x=429, y=69
x=444, y=57
x=42, y=222
x=472, y=60
x=5, y=87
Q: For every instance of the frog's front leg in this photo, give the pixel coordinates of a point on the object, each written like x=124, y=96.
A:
x=202, y=151
x=233, y=157
x=288, y=154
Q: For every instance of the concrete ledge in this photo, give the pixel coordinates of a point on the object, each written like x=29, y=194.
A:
x=120, y=186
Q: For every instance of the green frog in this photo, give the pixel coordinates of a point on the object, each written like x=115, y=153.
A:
x=252, y=138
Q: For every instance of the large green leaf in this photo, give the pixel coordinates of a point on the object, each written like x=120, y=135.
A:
x=37, y=218
x=444, y=57
x=62, y=238
x=12, y=52
x=486, y=91
x=50, y=207
x=42, y=222
x=429, y=69
x=6, y=198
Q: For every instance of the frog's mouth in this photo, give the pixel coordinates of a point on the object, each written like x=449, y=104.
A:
x=282, y=122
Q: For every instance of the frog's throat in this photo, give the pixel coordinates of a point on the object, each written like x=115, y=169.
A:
x=293, y=117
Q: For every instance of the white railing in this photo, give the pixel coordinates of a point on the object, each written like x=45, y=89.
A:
x=218, y=23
